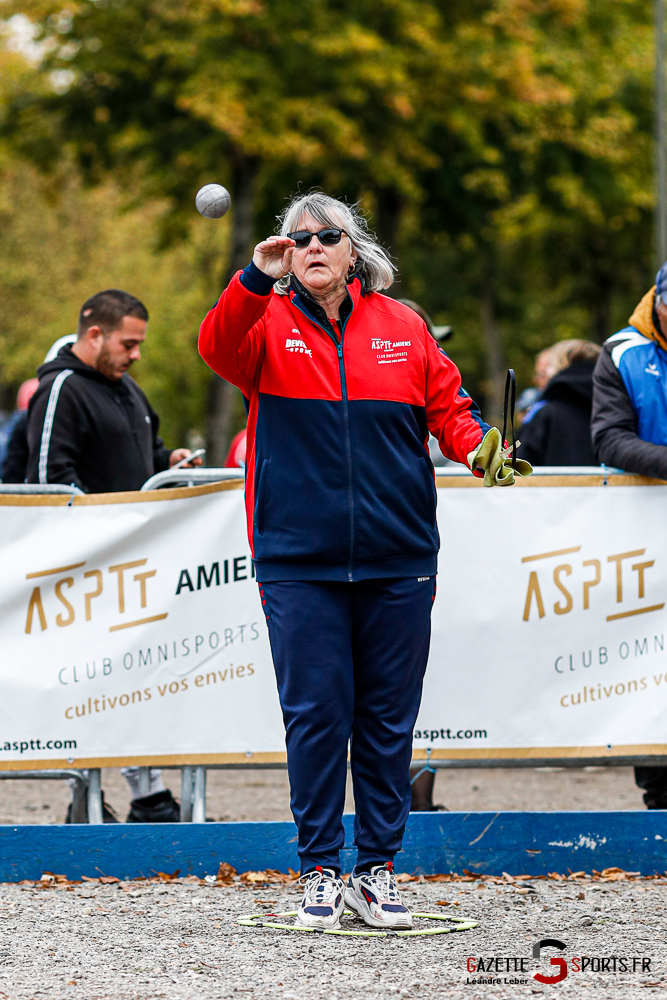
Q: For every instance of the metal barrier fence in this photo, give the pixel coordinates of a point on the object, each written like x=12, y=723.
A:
x=190, y=477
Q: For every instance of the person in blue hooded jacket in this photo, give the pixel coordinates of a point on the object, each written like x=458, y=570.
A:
x=629, y=425
x=629, y=417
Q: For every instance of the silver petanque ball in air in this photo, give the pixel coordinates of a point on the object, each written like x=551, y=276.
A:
x=213, y=201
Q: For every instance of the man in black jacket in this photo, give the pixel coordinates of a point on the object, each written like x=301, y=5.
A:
x=91, y=426
x=89, y=423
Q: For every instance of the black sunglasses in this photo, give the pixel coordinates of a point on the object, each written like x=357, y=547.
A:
x=327, y=237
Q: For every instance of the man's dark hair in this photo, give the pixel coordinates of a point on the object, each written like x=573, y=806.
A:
x=108, y=309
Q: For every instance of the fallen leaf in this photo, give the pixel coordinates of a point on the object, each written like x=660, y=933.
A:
x=268, y=875
x=164, y=877
x=442, y=902
x=108, y=879
x=582, y=895
x=226, y=873
x=254, y=877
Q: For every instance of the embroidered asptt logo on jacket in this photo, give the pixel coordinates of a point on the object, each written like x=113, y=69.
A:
x=390, y=350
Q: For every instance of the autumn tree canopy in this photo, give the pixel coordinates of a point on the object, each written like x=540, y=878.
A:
x=501, y=147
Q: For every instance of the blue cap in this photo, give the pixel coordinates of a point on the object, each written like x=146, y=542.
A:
x=661, y=282
x=527, y=398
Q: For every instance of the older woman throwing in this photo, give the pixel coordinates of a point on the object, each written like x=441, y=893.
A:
x=342, y=386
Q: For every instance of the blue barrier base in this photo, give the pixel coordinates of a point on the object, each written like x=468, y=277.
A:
x=521, y=843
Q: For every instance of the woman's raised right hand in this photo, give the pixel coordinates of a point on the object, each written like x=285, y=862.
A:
x=274, y=256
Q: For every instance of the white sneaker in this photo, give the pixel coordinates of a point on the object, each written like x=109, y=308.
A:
x=376, y=899
x=323, y=899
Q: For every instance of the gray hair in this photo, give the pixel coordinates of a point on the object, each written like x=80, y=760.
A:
x=373, y=263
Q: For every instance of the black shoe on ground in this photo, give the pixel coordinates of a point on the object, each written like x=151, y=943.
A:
x=161, y=807
x=653, y=801
x=108, y=814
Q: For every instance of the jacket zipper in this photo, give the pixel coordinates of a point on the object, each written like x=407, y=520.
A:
x=348, y=444
x=348, y=440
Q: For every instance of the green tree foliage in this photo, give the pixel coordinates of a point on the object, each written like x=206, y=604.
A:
x=61, y=242
x=172, y=95
x=502, y=146
x=542, y=196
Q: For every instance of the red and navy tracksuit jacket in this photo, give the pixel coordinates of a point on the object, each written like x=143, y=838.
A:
x=340, y=485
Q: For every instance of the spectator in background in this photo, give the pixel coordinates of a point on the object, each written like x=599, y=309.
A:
x=629, y=425
x=90, y=425
x=629, y=422
x=556, y=429
x=543, y=367
x=14, y=468
x=13, y=436
x=542, y=372
x=525, y=402
x=101, y=434
x=439, y=334
x=236, y=455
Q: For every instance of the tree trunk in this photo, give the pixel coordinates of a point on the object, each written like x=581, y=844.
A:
x=222, y=395
x=389, y=207
x=496, y=371
x=602, y=308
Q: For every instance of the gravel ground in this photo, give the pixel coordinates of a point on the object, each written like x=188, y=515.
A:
x=180, y=941
x=264, y=795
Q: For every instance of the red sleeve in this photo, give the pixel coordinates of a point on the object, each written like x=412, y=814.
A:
x=231, y=338
x=452, y=415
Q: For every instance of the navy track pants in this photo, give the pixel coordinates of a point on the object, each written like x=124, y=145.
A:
x=350, y=661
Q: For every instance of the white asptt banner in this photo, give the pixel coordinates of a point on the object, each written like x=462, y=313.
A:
x=132, y=630
x=550, y=622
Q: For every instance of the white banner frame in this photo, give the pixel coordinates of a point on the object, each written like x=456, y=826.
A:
x=484, y=526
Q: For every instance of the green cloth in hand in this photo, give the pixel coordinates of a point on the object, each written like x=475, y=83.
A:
x=496, y=461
